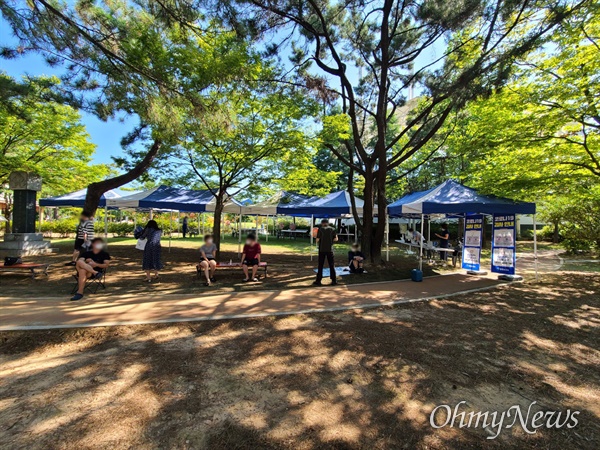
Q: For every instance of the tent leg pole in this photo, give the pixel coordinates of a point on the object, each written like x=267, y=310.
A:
x=387, y=237
x=199, y=223
x=535, y=255
x=240, y=235
x=106, y=223
x=312, y=221
x=170, y=229
x=151, y=214
x=267, y=228
x=421, y=244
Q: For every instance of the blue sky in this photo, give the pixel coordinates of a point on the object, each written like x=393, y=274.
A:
x=106, y=135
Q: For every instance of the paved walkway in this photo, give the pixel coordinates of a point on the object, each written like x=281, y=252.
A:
x=46, y=313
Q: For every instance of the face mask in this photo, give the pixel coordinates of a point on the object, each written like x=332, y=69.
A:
x=209, y=241
x=98, y=246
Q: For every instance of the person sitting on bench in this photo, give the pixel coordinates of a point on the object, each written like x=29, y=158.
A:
x=208, y=262
x=91, y=264
x=251, y=257
x=356, y=259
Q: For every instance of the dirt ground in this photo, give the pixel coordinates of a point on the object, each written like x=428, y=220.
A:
x=288, y=268
x=353, y=380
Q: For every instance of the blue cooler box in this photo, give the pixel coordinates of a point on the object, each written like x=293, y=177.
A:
x=416, y=275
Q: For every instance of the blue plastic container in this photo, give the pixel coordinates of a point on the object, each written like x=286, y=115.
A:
x=416, y=275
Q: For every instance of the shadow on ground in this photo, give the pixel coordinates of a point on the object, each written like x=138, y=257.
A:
x=351, y=380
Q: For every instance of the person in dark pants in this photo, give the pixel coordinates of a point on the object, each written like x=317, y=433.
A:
x=184, y=226
x=326, y=236
x=444, y=237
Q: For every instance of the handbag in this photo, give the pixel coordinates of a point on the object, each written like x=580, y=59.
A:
x=11, y=261
x=141, y=244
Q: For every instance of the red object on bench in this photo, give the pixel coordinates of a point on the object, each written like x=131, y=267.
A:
x=232, y=265
x=31, y=267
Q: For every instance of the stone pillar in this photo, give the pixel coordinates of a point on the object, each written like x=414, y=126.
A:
x=24, y=240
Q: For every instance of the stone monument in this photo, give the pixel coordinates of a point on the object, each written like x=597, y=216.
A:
x=23, y=240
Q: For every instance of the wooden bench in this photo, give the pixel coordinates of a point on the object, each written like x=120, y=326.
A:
x=28, y=267
x=234, y=265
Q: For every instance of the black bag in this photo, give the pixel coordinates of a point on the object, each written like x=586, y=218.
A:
x=12, y=260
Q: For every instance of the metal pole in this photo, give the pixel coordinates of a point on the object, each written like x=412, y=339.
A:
x=267, y=228
x=387, y=236
x=240, y=234
x=535, y=255
x=41, y=218
x=257, y=227
x=106, y=222
x=199, y=223
x=170, y=229
x=312, y=221
x=151, y=214
x=421, y=244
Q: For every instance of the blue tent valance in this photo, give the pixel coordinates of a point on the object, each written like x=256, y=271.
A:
x=76, y=199
x=453, y=198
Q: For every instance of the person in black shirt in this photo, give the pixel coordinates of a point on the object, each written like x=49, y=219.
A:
x=326, y=236
x=444, y=237
x=355, y=259
x=91, y=264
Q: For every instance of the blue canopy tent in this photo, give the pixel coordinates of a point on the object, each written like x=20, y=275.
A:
x=173, y=199
x=452, y=198
x=336, y=204
x=166, y=198
x=76, y=199
x=455, y=200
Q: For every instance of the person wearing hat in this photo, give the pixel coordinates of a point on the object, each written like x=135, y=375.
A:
x=326, y=236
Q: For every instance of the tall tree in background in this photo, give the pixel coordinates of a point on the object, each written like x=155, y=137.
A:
x=252, y=136
x=538, y=138
x=145, y=58
x=39, y=135
x=369, y=53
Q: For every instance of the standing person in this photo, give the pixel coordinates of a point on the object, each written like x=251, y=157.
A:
x=444, y=237
x=326, y=236
x=84, y=236
x=184, y=226
x=208, y=259
x=151, y=261
x=91, y=264
x=251, y=257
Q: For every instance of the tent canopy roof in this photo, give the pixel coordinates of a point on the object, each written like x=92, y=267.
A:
x=76, y=199
x=453, y=198
x=165, y=197
x=336, y=204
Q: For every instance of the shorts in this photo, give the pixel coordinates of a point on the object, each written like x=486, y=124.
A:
x=250, y=262
x=210, y=259
x=79, y=244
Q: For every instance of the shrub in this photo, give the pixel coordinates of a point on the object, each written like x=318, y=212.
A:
x=577, y=245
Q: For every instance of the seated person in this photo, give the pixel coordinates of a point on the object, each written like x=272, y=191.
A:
x=251, y=257
x=208, y=262
x=356, y=259
x=91, y=264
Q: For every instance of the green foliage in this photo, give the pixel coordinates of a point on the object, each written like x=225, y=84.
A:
x=63, y=227
x=44, y=137
x=255, y=135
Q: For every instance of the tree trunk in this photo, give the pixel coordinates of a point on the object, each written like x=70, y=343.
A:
x=556, y=234
x=219, y=203
x=366, y=241
x=96, y=190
